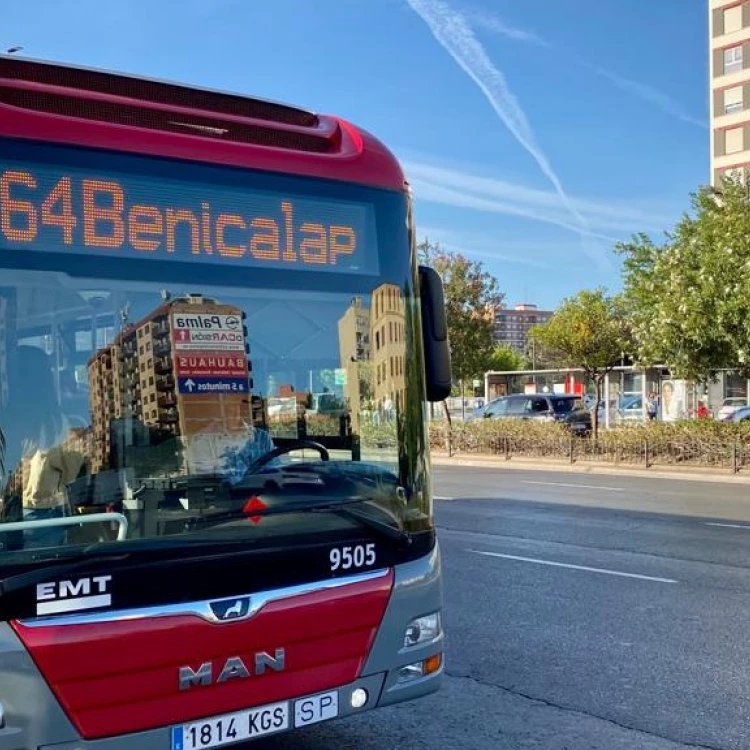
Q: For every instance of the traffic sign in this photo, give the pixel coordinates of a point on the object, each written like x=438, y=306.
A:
x=211, y=386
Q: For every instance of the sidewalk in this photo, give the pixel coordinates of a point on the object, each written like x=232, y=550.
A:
x=678, y=473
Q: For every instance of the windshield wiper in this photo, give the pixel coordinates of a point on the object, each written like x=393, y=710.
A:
x=380, y=527
x=338, y=507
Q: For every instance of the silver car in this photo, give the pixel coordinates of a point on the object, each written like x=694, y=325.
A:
x=547, y=407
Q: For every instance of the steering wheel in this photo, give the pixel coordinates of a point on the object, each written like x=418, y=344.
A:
x=281, y=450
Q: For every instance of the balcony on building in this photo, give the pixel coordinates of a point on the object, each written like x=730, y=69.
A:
x=165, y=383
x=167, y=400
x=169, y=415
x=162, y=345
x=163, y=364
x=160, y=327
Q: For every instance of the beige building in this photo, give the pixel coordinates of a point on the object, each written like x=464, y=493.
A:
x=388, y=344
x=372, y=350
x=729, y=76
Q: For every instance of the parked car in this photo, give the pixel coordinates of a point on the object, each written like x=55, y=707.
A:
x=579, y=421
x=739, y=415
x=729, y=406
x=631, y=409
x=548, y=407
x=627, y=409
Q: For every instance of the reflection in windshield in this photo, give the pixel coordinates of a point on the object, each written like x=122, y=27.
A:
x=182, y=372
x=373, y=353
x=155, y=405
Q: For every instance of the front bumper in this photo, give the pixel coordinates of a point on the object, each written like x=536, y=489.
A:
x=35, y=719
x=383, y=689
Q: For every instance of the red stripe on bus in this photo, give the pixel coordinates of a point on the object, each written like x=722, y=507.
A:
x=119, y=677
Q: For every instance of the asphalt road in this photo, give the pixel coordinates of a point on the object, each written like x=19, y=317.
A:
x=575, y=626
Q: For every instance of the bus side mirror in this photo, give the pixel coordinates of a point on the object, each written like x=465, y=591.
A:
x=437, y=353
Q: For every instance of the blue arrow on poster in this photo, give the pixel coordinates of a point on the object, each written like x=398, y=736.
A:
x=211, y=386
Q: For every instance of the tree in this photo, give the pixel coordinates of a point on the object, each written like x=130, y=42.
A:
x=470, y=298
x=504, y=358
x=689, y=298
x=589, y=331
x=366, y=382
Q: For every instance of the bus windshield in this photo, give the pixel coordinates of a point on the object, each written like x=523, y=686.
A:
x=188, y=349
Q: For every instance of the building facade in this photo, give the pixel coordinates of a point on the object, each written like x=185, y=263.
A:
x=729, y=76
x=388, y=344
x=372, y=350
x=512, y=326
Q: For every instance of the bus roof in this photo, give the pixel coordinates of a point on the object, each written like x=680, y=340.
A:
x=66, y=104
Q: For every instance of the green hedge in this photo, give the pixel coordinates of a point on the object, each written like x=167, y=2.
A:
x=381, y=435
x=695, y=442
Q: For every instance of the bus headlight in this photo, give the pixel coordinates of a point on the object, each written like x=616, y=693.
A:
x=423, y=630
x=420, y=669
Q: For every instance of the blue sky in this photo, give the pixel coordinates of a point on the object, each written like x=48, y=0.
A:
x=535, y=134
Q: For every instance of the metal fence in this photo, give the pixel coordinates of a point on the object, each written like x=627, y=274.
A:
x=719, y=449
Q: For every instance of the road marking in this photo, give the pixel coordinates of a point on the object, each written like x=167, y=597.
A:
x=577, y=486
x=605, y=571
x=729, y=525
x=441, y=497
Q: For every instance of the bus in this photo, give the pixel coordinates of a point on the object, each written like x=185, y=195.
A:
x=177, y=570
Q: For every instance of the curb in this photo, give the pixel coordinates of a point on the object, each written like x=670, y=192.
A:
x=681, y=474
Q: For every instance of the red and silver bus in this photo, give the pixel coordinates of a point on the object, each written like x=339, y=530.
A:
x=216, y=346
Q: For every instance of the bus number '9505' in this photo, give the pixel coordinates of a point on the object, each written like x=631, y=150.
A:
x=346, y=558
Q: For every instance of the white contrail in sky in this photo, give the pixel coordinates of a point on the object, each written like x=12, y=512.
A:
x=445, y=184
x=454, y=34
x=648, y=93
x=498, y=26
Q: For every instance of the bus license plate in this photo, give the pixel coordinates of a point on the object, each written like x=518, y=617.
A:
x=316, y=708
x=230, y=728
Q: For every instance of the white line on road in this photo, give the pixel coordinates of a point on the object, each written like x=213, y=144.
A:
x=440, y=497
x=729, y=525
x=605, y=571
x=577, y=486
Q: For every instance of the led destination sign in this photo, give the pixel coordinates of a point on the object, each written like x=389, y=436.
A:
x=118, y=214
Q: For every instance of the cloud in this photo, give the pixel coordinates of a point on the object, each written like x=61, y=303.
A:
x=463, y=189
x=643, y=91
x=454, y=34
x=434, y=193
